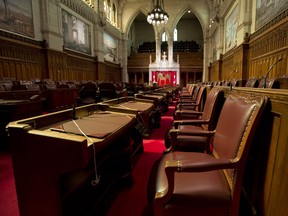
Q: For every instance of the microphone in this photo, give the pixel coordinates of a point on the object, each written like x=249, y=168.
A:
x=269, y=70
x=75, y=104
x=229, y=76
x=74, y=112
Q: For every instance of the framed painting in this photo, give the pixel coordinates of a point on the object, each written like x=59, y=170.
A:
x=17, y=16
x=231, y=27
x=76, y=33
x=267, y=9
x=110, y=48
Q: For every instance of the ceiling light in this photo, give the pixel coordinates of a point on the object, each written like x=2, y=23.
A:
x=157, y=15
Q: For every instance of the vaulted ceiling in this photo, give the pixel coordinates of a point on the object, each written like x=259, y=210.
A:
x=130, y=9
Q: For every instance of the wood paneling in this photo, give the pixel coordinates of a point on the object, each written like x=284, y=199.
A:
x=215, y=71
x=26, y=59
x=234, y=63
x=20, y=58
x=267, y=48
x=109, y=72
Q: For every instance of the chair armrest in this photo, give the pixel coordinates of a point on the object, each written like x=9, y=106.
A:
x=186, y=112
x=188, y=105
x=176, y=123
x=175, y=132
x=202, y=164
x=187, y=102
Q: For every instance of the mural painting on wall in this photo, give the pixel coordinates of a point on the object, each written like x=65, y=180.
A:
x=76, y=33
x=268, y=9
x=231, y=26
x=110, y=48
x=16, y=16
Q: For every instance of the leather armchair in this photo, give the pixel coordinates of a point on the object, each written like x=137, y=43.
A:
x=107, y=91
x=212, y=98
x=192, y=104
x=188, y=90
x=270, y=83
x=252, y=82
x=87, y=94
x=194, y=121
x=193, y=183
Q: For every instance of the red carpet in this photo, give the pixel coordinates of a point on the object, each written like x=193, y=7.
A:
x=8, y=198
x=130, y=201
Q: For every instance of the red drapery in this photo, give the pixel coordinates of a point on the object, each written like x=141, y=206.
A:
x=164, y=78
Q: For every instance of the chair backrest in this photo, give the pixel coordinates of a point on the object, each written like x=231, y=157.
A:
x=252, y=82
x=107, y=90
x=195, y=91
x=200, y=96
x=88, y=90
x=227, y=83
x=237, y=124
x=211, y=106
x=270, y=83
x=189, y=90
x=238, y=82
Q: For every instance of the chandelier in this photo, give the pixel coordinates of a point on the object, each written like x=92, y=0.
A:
x=158, y=14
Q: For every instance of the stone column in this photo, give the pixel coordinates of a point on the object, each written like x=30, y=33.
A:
x=170, y=49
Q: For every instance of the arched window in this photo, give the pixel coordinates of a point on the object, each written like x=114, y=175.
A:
x=114, y=15
x=175, y=35
x=164, y=37
x=110, y=11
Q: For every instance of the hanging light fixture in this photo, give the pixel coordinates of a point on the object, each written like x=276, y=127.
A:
x=158, y=14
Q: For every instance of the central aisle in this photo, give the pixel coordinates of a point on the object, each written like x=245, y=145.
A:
x=131, y=201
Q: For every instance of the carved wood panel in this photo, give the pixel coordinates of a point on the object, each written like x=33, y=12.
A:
x=266, y=48
x=20, y=60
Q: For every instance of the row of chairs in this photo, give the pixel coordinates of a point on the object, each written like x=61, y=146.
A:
x=274, y=83
x=201, y=170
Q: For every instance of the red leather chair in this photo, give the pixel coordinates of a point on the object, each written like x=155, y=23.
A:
x=193, y=183
x=187, y=91
x=193, y=104
x=270, y=83
x=193, y=120
x=238, y=83
x=252, y=82
x=191, y=95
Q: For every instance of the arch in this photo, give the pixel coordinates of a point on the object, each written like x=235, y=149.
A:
x=200, y=10
x=131, y=20
x=182, y=13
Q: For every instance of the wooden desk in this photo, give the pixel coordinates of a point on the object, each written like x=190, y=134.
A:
x=53, y=170
x=160, y=100
x=143, y=107
x=170, y=92
x=18, y=94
